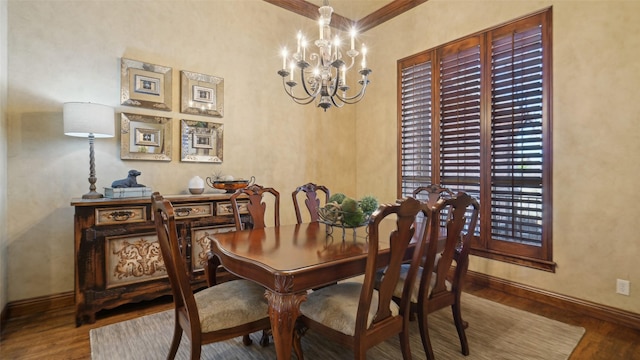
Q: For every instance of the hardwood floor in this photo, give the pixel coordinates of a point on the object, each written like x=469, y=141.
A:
x=53, y=335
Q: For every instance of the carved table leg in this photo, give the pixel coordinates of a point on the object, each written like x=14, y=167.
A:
x=284, y=309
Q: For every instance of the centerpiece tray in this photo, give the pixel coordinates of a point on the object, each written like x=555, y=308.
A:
x=338, y=219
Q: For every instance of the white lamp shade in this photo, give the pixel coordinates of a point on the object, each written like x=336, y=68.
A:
x=82, y=119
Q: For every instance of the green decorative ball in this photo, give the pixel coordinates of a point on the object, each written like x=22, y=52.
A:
x=349, y=205
x=337, y=197
x=369, y=204
x=354, y=218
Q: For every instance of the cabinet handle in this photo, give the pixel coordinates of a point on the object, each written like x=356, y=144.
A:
x=183, y=211
x=121, y=215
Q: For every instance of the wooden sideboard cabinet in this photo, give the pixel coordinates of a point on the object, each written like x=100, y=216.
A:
x=117, y=255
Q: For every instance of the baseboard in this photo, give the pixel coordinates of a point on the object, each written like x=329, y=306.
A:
x=4, y=317
x=39, y=304
x=598, y=311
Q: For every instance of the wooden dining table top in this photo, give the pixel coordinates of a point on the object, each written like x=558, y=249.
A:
x=298, y=250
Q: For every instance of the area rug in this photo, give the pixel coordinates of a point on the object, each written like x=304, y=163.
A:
x=495, y=332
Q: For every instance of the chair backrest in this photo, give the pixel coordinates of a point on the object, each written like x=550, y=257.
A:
x=164, y=218
x=463, y=212
x=255, y=206
x=405, y=212
x=311, y=200
x=432, y=193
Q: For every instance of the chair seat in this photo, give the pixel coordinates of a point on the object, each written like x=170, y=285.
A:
x=230, y=304
x=336, y=306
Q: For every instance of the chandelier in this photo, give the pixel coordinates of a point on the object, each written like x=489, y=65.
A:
x=324, y=77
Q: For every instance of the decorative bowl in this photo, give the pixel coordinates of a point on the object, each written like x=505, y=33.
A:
x=335, y=217
x=196, y=191
x=230, y=186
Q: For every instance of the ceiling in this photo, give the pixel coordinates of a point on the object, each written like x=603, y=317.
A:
x=365, y=14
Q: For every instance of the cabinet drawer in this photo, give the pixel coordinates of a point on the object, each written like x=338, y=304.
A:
x=184, y=211
x=121, y=215
x=224, y=208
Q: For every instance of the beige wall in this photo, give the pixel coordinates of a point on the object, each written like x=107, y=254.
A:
x=595, y=133
x=3, y=150
x=69, y=51
x=61, y=51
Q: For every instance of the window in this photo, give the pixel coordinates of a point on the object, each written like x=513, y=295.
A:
x=475, y=115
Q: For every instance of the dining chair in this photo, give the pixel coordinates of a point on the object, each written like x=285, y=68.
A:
x=312, y=201
x=429, y=194
x=440, y=279
x=256, y=207
x=230, y=309
x=354, y=313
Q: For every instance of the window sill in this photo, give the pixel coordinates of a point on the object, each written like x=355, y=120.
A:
x=538, y=264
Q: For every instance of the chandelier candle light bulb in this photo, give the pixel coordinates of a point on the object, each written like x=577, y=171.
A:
x=304, y=49
x=284, y=58
x=364, y=57
x=353, y=38
x=326, y=71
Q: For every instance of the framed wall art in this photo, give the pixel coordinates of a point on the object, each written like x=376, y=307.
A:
x=201, y=94
x=145, y=85
x=144, y=137
x=201, y=141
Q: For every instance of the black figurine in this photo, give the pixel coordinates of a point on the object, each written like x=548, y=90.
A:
x=130, y=181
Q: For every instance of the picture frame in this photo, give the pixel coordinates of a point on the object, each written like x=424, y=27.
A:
x=145, y=137
x=201, y=141
x=145, y=85
x=201, y=94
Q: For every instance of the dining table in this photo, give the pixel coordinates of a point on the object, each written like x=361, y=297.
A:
x=290, y=260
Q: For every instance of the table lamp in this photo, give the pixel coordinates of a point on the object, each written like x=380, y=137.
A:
x=92, y=121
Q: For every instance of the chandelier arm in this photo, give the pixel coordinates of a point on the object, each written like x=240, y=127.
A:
x=353, y=61
x=336, y=104
x=354, y=99
x=303, y=102
x=299, y=100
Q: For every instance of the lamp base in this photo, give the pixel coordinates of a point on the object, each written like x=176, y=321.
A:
x=92, y=195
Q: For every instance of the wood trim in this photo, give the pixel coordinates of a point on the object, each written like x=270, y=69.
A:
x=533, y=263
x=39, y=304
x=386, y=13
x=310, y=11
x=342, y=23
x=4, y=316
x=598, y=311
